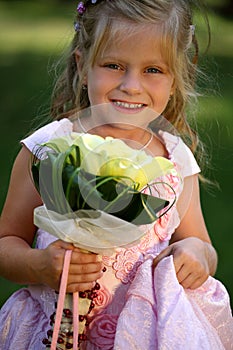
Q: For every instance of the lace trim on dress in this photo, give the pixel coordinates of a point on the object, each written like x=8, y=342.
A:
x=46, y=297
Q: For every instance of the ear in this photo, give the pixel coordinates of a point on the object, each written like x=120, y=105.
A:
x=173, y=87
x=78, y=59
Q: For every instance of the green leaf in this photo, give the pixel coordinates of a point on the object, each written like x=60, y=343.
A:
x=35, y=175
x=114, y=197
x=65, y=187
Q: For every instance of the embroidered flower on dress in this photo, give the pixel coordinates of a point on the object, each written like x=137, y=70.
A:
x=174, y=181
x=108, y=260
x=103, y=297
x=148, y=241
x=126, y=264
x=48, y=297
x=102, y=331
x=164, y=227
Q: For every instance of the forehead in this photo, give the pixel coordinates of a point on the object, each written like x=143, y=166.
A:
x=128, y=37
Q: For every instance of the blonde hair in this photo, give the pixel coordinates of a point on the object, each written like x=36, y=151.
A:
x=98, y=25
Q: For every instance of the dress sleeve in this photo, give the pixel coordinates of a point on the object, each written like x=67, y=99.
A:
x=52, y=130
x=180, y=154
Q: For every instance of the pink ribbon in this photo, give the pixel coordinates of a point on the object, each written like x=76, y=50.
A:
x=60, y=306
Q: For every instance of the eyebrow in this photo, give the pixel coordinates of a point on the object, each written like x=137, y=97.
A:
x=155, y=62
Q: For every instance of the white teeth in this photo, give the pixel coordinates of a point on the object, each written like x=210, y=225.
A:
x=129, y=105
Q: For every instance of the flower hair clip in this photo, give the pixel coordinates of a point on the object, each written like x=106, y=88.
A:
x=81, y=9
x=192, y=28
x=82, y=6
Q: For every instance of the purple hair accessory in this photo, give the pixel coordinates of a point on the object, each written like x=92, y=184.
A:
x=192, y=28
x=76, y=26
x=81, y=8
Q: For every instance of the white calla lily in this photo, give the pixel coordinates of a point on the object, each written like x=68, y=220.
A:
x=100, y=156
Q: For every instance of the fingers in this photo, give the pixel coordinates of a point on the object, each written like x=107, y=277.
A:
x=79, y=287
x=85, y=273
x=191, y=283
x=190, y=276
x=84, y=278
x=81, y=283
x=189, y=271
x=63, y=245
x=85, y=269
x=80, y=257
x=190, y=268
x=198, y=282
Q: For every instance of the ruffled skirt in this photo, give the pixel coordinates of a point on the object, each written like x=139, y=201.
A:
x=158, y=314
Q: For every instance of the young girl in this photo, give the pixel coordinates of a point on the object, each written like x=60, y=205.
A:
x=159, y=294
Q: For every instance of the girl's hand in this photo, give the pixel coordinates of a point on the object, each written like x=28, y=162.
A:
x=191, y=261
x=85, y=268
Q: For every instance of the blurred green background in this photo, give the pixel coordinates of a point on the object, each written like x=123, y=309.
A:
x=33, y=35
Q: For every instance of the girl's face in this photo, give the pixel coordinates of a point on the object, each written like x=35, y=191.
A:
x=132, y=75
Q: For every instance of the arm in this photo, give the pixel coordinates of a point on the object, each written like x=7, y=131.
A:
x=194, y=256
x=18, y=261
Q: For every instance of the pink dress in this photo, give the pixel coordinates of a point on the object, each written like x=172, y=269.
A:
x=135, y=308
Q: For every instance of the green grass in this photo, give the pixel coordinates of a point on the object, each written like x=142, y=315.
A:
x=39, y=27
x=34, y=34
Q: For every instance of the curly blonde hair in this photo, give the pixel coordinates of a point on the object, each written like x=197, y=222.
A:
x=100, y=22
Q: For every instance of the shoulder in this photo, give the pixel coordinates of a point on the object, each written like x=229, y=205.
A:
x=46, y=133
x=180, y=154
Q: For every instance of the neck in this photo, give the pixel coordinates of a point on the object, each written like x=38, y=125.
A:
x=138, y=137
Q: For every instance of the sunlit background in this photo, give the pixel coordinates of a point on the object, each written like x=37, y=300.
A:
x=33, y=35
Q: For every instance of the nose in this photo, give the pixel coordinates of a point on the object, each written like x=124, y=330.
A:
x=131, y=83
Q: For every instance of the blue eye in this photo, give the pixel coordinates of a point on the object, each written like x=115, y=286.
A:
x=113, y=66
x=153, y=70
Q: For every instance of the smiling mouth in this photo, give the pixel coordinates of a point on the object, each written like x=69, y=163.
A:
x=132, y=106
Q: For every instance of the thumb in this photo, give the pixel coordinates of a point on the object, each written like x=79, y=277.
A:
x=164, y=253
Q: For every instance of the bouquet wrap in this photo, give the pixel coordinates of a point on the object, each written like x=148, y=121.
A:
x=91, y=230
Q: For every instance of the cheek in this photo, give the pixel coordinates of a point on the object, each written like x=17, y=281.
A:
x=167, y=91
x=94, y=93
x=161, y=99
x=96, y=88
